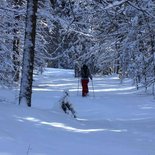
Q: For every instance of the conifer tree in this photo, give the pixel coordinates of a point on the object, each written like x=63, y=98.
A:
x=28, y=55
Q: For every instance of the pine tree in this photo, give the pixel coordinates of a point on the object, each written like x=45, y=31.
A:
x=28, y=55
x=16, y=40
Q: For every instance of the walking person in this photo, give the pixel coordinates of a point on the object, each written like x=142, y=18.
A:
x=85, y=75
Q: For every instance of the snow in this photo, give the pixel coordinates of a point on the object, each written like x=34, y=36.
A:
x=115, y=119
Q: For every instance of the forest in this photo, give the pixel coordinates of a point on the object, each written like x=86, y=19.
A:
x=111, y=36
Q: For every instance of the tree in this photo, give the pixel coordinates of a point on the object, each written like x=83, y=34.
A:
x=116, y=34
x=6, y=65
x=28, y=55
x=16, y=40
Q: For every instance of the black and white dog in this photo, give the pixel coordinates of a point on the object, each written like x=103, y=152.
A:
x=66, y=105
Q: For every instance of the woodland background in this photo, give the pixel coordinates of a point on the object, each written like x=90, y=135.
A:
x=111, y=36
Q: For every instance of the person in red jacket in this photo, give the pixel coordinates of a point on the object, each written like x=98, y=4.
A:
x=85, y=75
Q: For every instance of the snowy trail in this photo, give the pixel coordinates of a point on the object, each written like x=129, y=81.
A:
x=125, y=119
x=117, y=121
x=114, y=100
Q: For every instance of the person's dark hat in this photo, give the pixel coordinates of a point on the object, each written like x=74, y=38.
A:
x=84, y=66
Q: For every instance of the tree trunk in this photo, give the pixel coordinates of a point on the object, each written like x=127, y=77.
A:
x=16, y=41
x=28, y=55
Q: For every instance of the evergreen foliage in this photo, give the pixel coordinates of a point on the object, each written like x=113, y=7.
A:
x=110, y=36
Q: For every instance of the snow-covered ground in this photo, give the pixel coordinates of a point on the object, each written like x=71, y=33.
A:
x=114, y=119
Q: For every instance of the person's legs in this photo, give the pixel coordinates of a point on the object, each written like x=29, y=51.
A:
x=84, y=87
